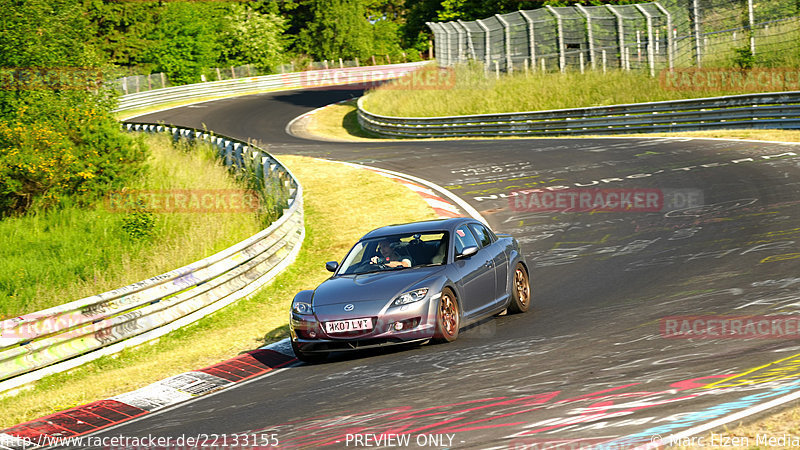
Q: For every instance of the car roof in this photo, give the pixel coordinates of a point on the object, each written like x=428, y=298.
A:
x=419, y=227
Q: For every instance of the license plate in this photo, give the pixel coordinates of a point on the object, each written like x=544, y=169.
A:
x=343, y=326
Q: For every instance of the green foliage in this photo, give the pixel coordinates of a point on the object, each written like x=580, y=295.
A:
x=184, y=40
x=57, y=136
x=139, y=224
x=338, y=29
x=249, y=37
x=743, y=58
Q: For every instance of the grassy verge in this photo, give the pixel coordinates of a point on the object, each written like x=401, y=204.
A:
x=470, y=91
x=371, y=201
x=68, y=253
x=338, y=122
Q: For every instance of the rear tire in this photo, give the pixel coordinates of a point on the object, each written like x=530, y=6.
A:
x=520, y=291
x=309, y=358
x=448, y=317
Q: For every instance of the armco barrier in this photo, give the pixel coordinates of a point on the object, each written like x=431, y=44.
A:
x=368, y=76
x=53, y=340
x=777, y=110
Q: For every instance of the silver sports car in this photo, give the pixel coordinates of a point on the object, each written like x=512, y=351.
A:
x=410, y=283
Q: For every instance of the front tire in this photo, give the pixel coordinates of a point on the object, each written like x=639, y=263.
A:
x=520, y=291
x=448, y=317
x=308, y=358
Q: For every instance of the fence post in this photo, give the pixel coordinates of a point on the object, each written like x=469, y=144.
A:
x=651, y=59
x=562, y=58
x=621, y=35
x=531, y=41
x=446, y=55
x=470, y=47
x=670, y=42
x=752, y=21
x=589, y=34
x=604, y=60
x=486, y=44
x=507, y=41
x=696, y=20
x=437, y=36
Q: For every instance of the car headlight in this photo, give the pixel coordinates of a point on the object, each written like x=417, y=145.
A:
x=410, y=297
x=302, y=308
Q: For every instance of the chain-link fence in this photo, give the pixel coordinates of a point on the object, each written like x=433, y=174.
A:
x=652, y=36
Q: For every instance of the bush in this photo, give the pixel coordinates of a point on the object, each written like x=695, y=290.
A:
x=44, y=162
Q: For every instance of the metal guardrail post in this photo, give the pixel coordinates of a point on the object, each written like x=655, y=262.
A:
x=621, y=36
x=507, y=42
x=487, y=54
x=562, y=58
x=651, y=60
x=531, y=40
x=670, y=40
x=589, y=34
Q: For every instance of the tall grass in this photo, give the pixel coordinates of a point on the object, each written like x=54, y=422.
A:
x=50, y=257
x=474, y=92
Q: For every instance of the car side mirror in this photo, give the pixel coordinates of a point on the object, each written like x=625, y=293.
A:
x=467, y=252
x=331, y=266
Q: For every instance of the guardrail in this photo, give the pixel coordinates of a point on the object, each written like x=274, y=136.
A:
x=369, y=76
x=56, y=339
x=777, y=110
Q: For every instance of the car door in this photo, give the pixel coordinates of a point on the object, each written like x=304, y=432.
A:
x=477, y=278
x=495, y=250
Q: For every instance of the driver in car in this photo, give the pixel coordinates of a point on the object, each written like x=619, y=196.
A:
x=389, y=257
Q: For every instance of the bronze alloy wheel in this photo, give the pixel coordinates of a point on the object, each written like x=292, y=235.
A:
x=521, y=291
x=448, y=317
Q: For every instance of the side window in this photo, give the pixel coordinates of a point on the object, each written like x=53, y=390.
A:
x=464, y=239
x=482, y=233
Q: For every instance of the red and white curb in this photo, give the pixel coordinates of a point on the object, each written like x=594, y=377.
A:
x=445, y=204
x=57, y=429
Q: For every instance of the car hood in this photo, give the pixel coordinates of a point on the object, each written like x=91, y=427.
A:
x=382, y=286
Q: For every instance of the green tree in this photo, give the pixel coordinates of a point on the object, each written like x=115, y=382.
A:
x=250, y=37
x=338, y=29
x=184, y=40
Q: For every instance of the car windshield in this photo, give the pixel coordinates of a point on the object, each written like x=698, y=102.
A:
x=396, y=252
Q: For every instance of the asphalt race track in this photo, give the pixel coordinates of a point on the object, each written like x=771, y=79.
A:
x=592, y=362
